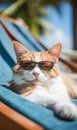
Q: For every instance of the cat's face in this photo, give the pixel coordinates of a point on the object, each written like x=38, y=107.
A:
x=37, y=66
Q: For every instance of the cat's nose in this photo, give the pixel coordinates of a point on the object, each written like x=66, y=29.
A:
x=36, y=74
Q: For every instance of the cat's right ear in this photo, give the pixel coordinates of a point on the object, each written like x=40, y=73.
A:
x=19, y=49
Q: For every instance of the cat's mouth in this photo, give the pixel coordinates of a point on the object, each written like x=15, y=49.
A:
x=36, y=79
x=39, y=79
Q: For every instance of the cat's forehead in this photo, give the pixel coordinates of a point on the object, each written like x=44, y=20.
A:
x=37, y=56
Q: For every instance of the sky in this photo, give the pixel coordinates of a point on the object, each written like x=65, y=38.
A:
x=59, y=26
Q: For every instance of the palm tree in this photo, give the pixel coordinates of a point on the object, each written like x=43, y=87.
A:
x=31, y=11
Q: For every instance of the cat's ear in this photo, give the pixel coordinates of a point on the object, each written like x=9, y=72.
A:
x=55, y=50
x=19, y=49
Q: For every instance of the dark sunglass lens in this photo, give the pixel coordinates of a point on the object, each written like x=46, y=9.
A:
x=46, y=65
x=28, y=65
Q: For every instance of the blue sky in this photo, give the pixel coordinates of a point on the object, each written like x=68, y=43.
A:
x=4, y=6
x=63, y=20
x=61, y=26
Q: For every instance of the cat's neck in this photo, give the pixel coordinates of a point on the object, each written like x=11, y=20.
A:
x=52, y=81
x=21, y=88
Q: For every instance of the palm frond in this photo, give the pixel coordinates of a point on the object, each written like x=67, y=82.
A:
x=12, y=9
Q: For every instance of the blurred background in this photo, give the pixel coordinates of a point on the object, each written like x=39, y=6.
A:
x=52, y=21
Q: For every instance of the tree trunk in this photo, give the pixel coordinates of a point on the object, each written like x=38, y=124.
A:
x=75, y=23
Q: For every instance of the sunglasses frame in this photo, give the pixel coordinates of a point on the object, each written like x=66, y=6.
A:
x=39, y=64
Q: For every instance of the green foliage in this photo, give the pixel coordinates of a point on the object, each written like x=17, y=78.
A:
x=31, y=11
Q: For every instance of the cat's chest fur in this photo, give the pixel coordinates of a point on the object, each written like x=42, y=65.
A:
x=52, y=87
x=43, y=93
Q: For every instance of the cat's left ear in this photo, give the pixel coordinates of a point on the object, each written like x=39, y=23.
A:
x=55, y=50
x=19, y=49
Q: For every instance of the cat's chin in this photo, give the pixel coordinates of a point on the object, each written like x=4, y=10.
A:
x=38, y=80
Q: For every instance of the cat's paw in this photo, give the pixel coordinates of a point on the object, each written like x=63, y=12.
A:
x=66, y=110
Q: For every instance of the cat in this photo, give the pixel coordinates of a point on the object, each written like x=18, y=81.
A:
x=37, y=78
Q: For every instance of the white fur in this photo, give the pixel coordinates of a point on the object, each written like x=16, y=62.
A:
x=50, y=93
x=54, y=96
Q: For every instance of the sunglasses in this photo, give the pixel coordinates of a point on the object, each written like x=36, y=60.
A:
x=44, y=65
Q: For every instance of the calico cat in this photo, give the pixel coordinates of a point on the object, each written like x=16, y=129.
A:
x=37, y=78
